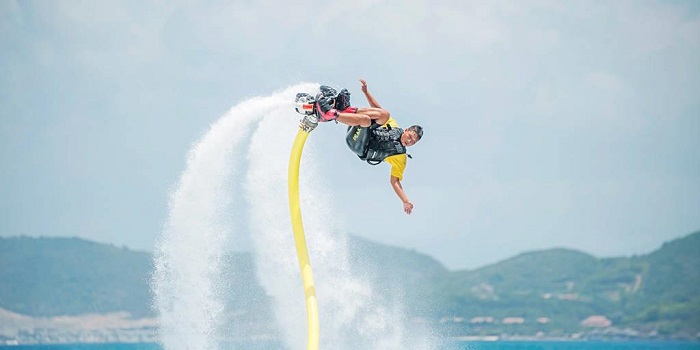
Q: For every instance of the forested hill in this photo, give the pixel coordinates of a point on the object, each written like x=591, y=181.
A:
x=660, y=290
x=66, y=276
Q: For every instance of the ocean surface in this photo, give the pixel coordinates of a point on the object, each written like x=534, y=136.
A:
x=472, y=345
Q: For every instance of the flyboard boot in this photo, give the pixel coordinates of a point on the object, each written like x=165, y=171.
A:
x=342, y=102
x=322, y=105
x=325, y=104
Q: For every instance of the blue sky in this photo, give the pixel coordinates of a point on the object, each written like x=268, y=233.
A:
x=547, y=123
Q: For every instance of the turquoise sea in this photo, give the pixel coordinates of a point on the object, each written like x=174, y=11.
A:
x=472, y=345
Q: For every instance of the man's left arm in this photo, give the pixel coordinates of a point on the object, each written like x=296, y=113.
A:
x=396, y=185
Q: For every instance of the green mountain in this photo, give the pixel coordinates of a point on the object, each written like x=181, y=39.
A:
x=658, y=291
x=670, y=293
x=550, y=291
x=67, y=276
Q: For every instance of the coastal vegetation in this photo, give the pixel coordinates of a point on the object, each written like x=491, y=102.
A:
x=554, y=292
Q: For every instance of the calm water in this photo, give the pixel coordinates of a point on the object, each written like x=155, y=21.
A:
x=591, y=345
x=509, y=345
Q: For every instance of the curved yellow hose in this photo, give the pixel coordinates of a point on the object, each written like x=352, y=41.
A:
x=300, y=240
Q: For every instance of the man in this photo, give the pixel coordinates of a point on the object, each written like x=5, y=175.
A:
x=383, y=140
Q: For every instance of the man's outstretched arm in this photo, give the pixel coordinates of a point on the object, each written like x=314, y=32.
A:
x=370, y=98
x=396, y=185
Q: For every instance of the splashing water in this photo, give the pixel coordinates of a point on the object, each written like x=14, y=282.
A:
x=187, y=284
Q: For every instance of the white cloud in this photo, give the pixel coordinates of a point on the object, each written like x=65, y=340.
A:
x=10, y=15
x=606, y=82
x=657, y=27
x=106, y=38
x=475, y=28
x=545, y=101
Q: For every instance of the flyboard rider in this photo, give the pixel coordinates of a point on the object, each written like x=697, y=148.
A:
x=372, y=133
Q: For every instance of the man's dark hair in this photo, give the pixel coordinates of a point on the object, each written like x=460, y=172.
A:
x=417, y=129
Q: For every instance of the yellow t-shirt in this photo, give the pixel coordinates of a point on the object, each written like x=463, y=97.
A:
x=397, y=162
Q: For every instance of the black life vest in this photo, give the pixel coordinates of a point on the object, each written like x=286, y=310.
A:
x=375, y=143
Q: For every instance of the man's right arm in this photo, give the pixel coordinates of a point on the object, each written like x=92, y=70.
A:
x=370, y=98
x=396, y=185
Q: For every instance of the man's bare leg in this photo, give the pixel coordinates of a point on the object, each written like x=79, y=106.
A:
x=364, y=117
x=354, y=119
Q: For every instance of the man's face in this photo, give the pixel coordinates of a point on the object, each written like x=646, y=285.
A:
x=409, y=138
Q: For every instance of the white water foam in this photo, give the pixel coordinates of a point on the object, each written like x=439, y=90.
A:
x=187, y=282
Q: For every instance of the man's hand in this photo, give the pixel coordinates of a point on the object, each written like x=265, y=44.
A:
x=408, y=207
x=396, y=184
x=364, y=85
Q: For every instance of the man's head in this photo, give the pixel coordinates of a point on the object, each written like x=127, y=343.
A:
x=411, y=135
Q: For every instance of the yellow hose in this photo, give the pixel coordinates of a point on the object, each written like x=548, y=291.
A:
x=300, y=240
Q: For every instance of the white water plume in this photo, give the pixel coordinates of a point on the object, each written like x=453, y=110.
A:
x=187, y=284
